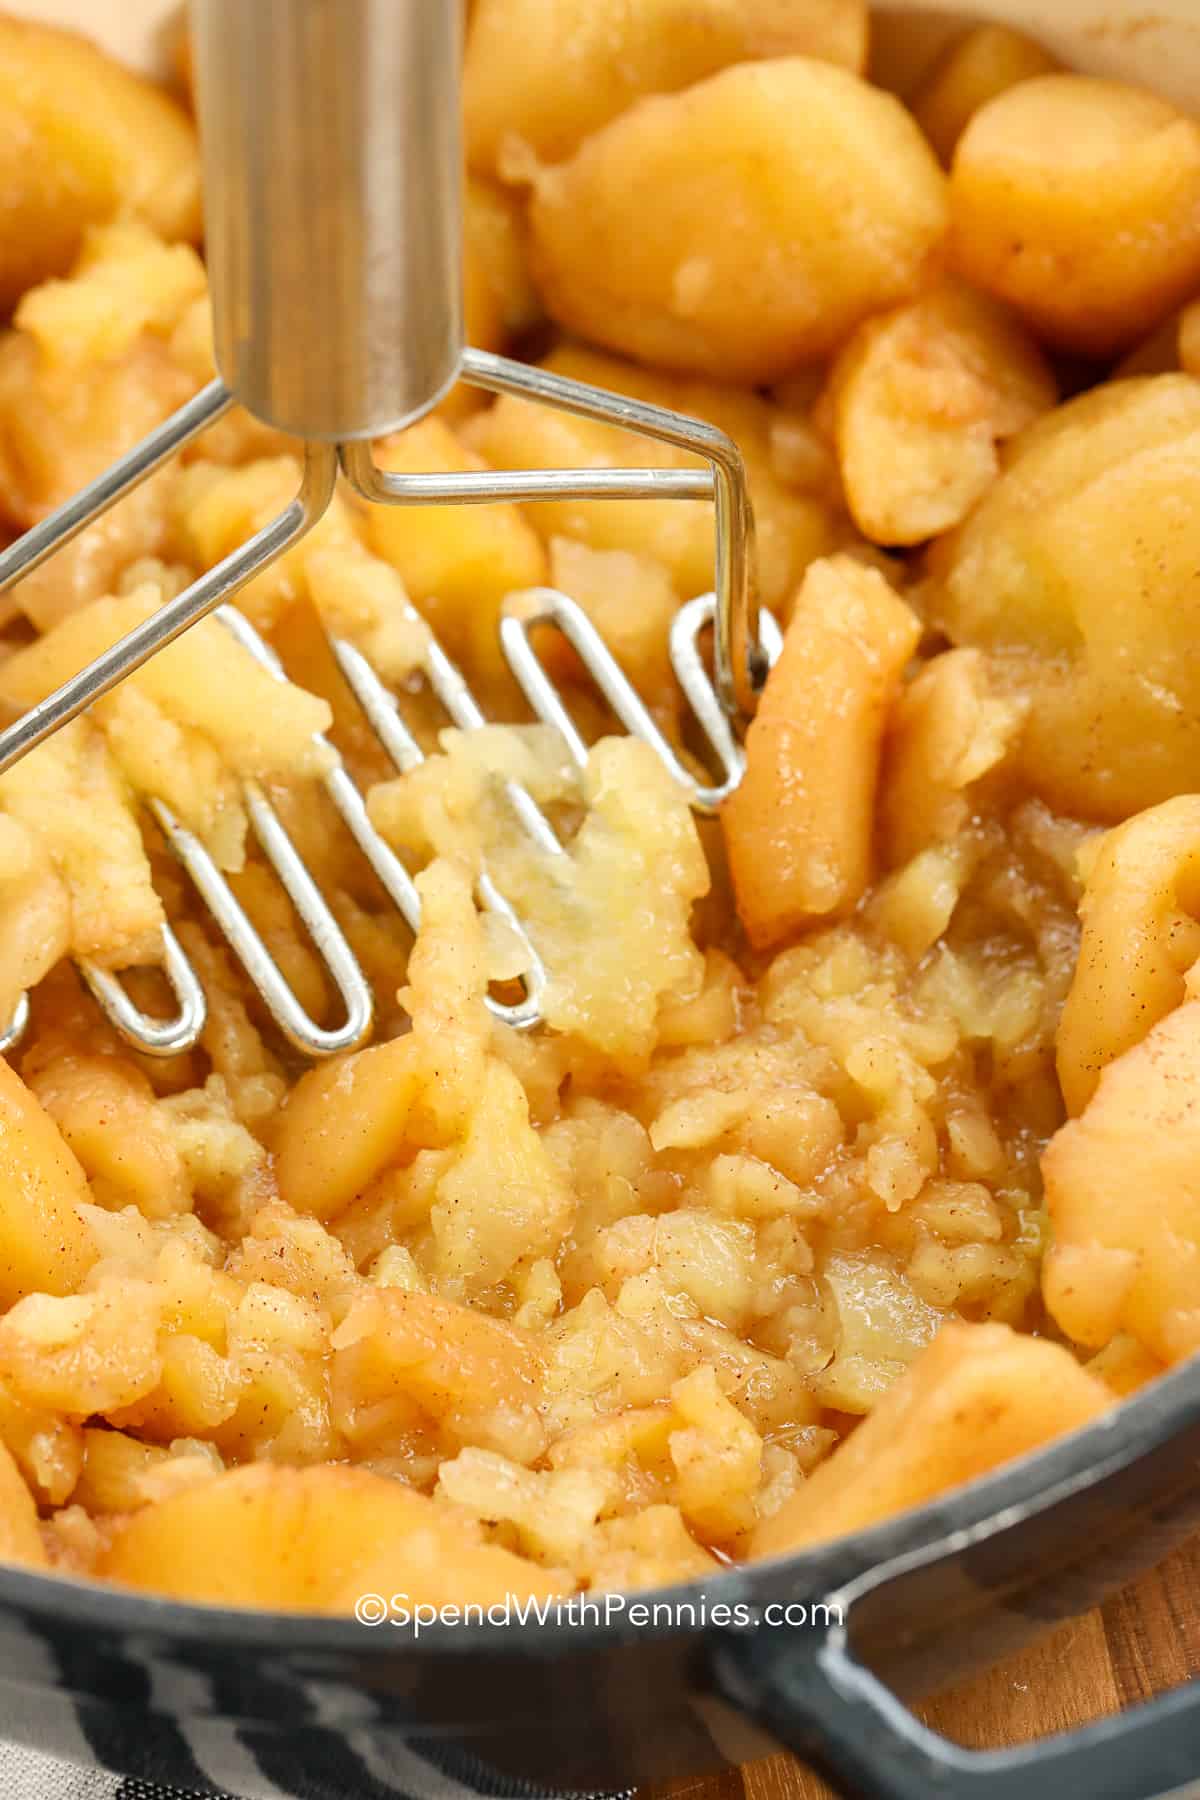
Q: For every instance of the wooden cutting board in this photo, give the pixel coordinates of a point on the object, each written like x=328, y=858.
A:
x=1144, y=1640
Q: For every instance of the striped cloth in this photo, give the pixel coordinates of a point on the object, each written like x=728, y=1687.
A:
x=31, y=1775
x=211, y=1756
x=28, y=1775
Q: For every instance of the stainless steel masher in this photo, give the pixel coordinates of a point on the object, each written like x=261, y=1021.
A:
x=333, y=178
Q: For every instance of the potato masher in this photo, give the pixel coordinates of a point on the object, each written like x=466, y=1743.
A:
x=333, y=173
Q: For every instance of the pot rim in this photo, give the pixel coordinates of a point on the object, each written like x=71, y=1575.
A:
x=1081, y=1462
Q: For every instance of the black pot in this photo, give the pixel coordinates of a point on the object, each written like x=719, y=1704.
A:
x=807, y=1651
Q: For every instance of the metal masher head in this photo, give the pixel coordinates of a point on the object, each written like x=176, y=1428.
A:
x=333, y=172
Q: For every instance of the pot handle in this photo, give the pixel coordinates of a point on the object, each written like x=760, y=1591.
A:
x=810, y=1691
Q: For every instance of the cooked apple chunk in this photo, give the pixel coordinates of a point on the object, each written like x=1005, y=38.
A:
x=786, y=192
x=1123, y=1192
x=1141, y=935
x=68, y=793
x=1078, y=201
x=922, y=399
x=83, y=141
x=604, y=58
x=978, y=1397
x=45, y=1244
x=798, y=828
x=1080, y=568
x=313, y=1540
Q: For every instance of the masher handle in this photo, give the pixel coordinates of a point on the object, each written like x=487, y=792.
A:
x=333, y=177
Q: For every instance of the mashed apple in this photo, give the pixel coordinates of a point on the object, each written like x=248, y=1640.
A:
x=777, y=1225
